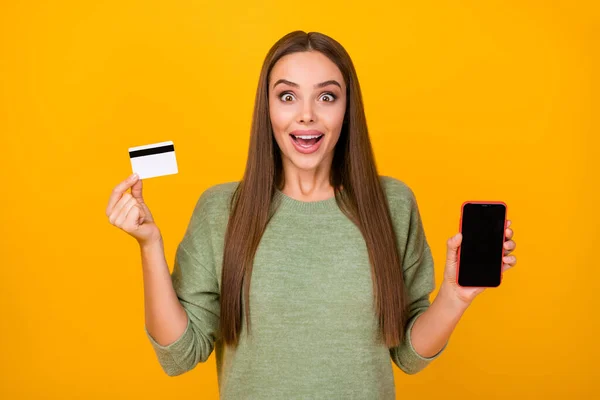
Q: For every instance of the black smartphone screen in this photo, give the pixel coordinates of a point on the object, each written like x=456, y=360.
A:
x=481, y=250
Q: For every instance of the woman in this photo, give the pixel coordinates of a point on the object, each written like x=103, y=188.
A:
x=331, y=258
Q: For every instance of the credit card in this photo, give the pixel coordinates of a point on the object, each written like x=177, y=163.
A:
x=151, y=160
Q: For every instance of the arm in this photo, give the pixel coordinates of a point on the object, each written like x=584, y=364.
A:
x=419, y=283
x=182, y=320
x=432, y=330
x=436, y=324
x=165, y=318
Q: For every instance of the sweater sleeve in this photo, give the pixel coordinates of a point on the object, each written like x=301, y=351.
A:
x=419, y=277
x=195, y=283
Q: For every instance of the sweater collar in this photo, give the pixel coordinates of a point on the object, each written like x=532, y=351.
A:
x=286, y=202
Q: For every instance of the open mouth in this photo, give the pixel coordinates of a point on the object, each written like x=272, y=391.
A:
x=307, y=141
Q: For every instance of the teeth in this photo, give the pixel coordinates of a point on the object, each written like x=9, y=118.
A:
x=309, y=137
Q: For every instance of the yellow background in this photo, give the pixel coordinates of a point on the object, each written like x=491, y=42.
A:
x=465, y=100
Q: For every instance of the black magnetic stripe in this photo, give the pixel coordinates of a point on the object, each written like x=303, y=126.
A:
x=154, y=150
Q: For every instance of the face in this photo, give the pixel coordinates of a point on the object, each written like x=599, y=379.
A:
x=307, y=98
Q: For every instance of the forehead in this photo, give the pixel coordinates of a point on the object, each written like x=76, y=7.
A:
x=306, y=69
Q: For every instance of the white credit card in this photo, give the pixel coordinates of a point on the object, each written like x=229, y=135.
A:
x=151, y=160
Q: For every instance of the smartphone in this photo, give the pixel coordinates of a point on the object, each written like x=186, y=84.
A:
x=483, y=228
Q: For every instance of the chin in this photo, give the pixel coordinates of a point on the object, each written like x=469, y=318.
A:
x=305, y=164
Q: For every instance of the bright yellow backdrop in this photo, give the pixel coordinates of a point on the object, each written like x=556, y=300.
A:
x=464, y=100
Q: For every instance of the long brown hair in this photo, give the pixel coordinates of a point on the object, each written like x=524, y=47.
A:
x=362, y=199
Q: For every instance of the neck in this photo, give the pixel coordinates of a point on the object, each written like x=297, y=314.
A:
x=307, y=185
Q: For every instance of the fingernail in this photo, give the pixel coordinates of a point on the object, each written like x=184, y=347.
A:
x=134, y=176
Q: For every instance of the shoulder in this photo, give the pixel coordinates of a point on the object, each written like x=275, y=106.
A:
x=215, y=199
x=398, y=193
x=219, y=191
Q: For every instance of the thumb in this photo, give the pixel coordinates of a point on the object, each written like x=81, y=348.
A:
x=453, y=244
x=136, y=191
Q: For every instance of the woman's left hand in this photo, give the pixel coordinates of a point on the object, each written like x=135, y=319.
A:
x=467, y=294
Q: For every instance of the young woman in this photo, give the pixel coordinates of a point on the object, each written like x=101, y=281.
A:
x=312, y=274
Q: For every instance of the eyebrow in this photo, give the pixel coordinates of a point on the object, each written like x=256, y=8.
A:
x=318, y=85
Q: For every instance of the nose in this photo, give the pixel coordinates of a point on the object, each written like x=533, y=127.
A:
x=307, y=112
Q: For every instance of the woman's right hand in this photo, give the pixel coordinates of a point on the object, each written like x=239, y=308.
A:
x=129, y=212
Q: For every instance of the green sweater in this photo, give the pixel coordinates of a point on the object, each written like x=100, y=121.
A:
x=313, y=325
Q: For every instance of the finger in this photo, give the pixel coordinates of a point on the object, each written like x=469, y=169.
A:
x=136, y=190
x=509, y=232
x=505, y=267
x=452, y=246
x=509, y=246
x=133, y=217
x=118, y=207
x=123, y=213
x=118, y=192
x=512, y=260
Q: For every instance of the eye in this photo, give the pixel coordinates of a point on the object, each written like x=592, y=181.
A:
x=331, y=95
x=285, y=94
